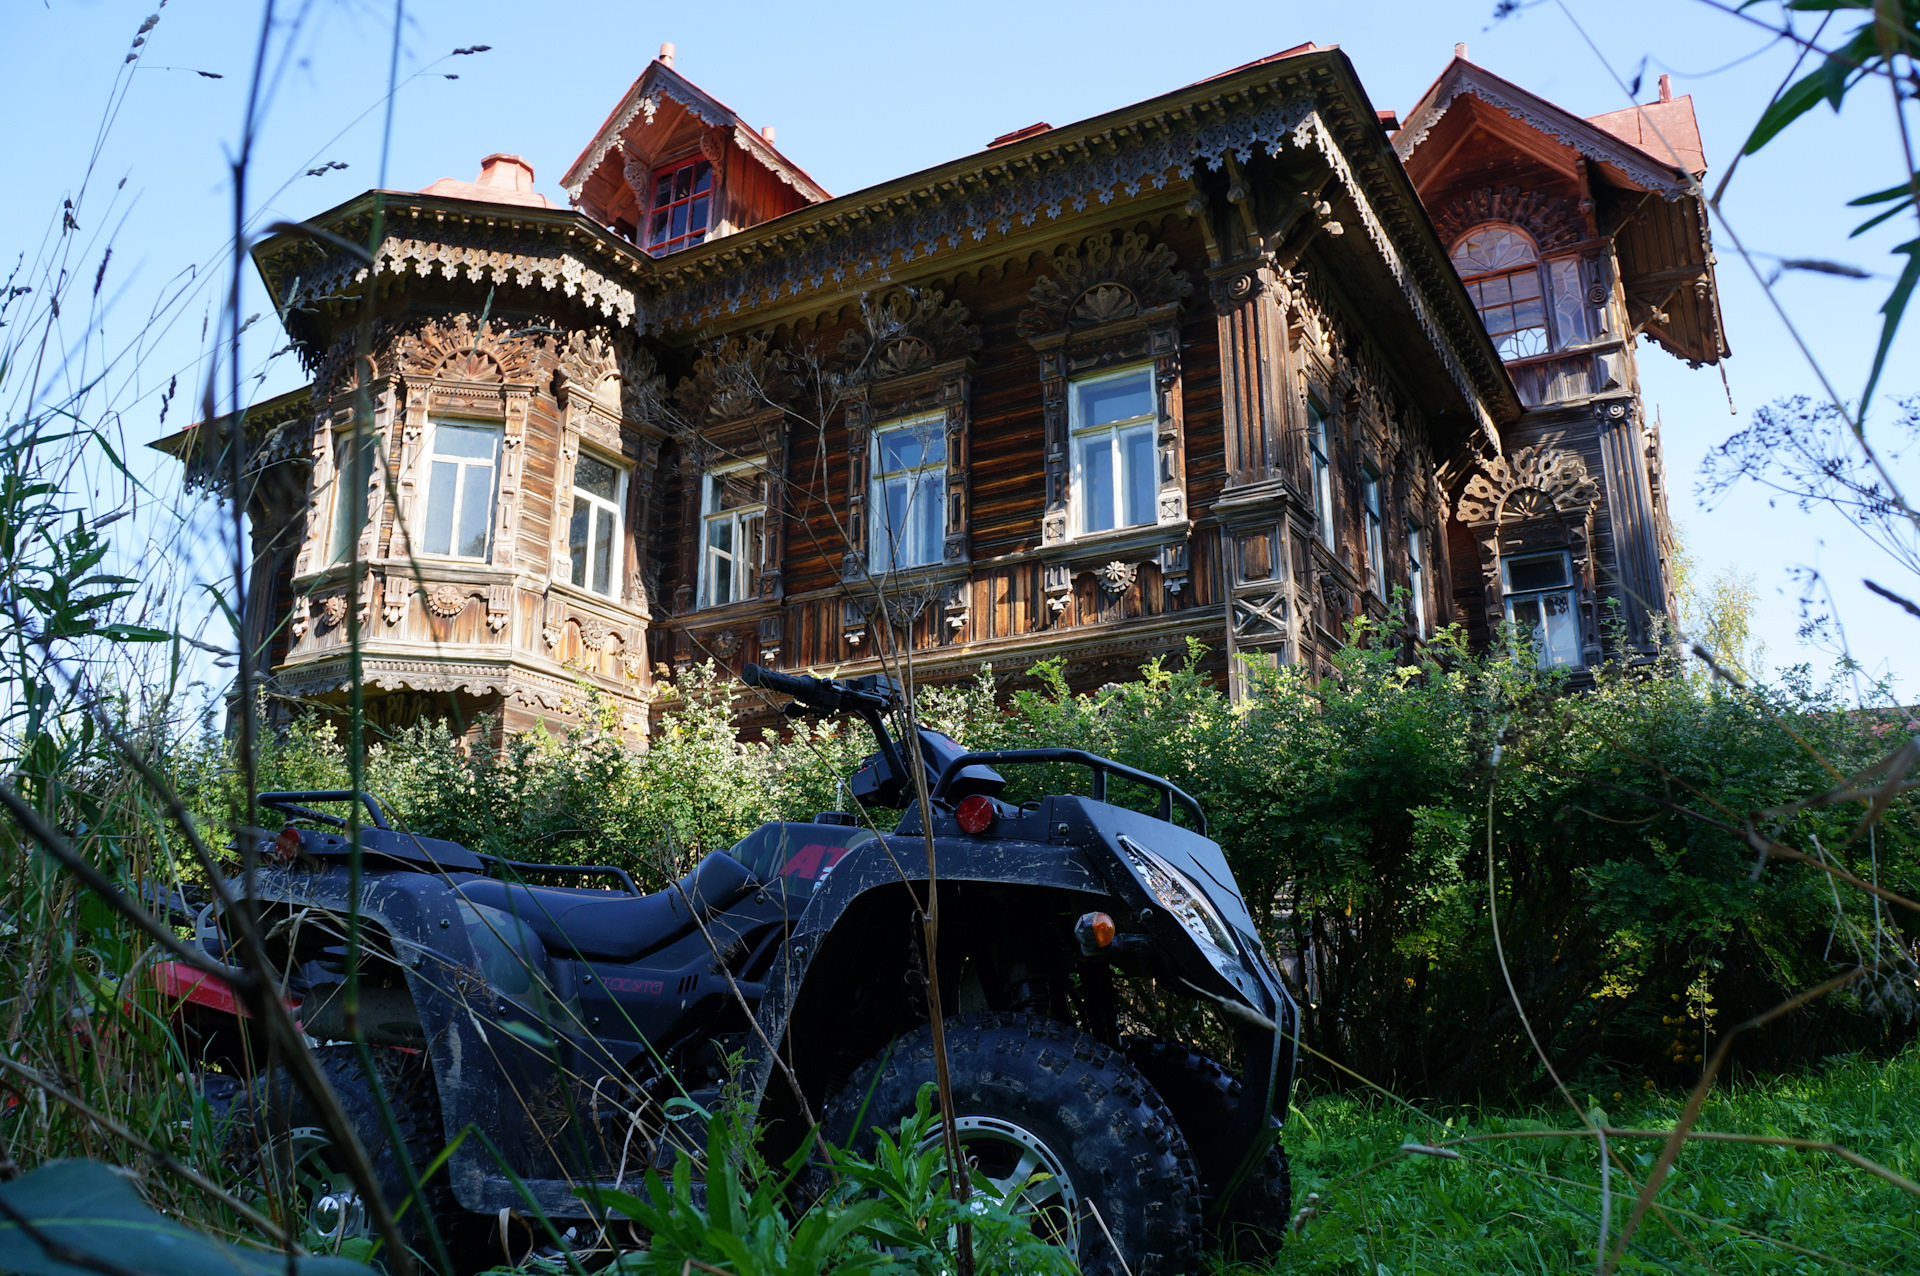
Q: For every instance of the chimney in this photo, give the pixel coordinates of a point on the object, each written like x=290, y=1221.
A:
x=767, y=132
x=1460, y=51
x=508, y=172
x=666, y=54
x=1666, y=88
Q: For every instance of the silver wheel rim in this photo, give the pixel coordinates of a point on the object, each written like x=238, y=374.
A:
x=334, y=1211
x=1026, y=1175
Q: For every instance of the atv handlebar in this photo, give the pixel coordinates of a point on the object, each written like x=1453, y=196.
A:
x=862, y=695
x=1101, y=767
x=289, y=802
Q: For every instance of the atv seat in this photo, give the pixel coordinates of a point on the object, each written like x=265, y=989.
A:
x=621, y=928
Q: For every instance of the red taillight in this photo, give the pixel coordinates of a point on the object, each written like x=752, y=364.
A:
x=287, y=846
x=975, y=813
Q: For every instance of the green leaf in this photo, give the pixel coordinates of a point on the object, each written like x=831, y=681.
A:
x=528, y=1033
x=1895, y=307
x=1901, y=192
x=93, y=1211
x=133, y=633
x=1788, y=107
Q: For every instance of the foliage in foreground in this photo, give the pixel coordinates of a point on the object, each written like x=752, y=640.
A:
x=1635, y=924
x=1532, y=1205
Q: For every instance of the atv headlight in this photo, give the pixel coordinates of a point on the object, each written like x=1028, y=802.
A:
x=1178, y=894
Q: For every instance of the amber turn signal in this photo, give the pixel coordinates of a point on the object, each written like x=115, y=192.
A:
x=975, y=813
x=1094, y=931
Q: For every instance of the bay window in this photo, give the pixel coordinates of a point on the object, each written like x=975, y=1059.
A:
x=1112, y=420
x=733, y=519
x=1539, y=598
x=463, y=458
x=907, y=494
x=682, y=206
x=593, y=535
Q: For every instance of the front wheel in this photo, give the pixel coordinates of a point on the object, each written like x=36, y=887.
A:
x=1068, y=1129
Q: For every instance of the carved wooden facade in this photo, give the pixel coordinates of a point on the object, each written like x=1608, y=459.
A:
x=1312, y=422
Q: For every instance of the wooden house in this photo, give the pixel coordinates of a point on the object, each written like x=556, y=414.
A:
x=1203, y=368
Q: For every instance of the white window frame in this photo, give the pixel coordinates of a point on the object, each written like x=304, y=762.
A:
x=429, y=456
x=1372, y=516
x=738, y=517
x=616, y=545
x=1320, y=463
x=1417, y=575
x=347, y=485
x=1546, y=654
x=1114, y=430
x=883, y=549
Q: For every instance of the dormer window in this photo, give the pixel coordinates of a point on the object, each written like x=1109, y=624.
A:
x=1510, y=287
x=682, y=206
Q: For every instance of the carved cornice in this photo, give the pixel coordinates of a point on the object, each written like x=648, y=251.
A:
x=1560, y=478
x=1098, y=283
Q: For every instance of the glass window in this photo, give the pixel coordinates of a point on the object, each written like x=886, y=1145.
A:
x=1417, y=577
x=1501, y=270
x=908, y=494
x=1322, y=476
x=352, y=486
x=1112, y=419
x=1570, y=309
x=1376, y=543
x=733, y=517
x=682, y=207
x=460, y=483
x=593, y=536
x=1540, y=597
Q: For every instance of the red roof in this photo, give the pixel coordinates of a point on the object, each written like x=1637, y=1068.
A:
x=1663, y=130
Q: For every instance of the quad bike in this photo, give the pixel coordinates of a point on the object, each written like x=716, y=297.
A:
x=570, y=1030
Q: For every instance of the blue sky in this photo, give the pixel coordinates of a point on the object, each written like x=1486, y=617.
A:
x=863, y=92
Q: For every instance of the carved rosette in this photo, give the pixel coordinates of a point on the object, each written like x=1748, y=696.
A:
x=446, y=600
x=1098, y=282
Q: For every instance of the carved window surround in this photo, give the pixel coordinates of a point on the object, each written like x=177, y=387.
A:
x=902, y=598
x=1074, y=352
x=944, y=388
x=1537, y=499
x=425, y=398
x=591, y=415
x=756, y=434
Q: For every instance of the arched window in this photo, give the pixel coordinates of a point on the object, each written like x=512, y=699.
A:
x=1529, y=307
x=1501, y=269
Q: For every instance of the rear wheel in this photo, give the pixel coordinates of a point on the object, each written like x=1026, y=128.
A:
x=308, y=1168
x=1205, y=1099
x=1066, y=1127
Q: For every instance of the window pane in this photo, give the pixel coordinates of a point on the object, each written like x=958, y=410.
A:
x=602, y=551
x=577, y=538
x=1492, y=248
x=697, y=216
x=930, y=520
x=1136, y=460
x=895, y=497
x=752, y=549
x=663, y=189
x=1569, y=301
x=702, y=176
x=1525, y=611
x=720, y=534
x=683, y=182
x=1545, y=572
x=657, y=230
x=441, y=489
x=1561, y=644
x=1523, y=284
x=1117, y=399
x=734, y=489
x=464, y=441
x=719, y=577
x=597, y=477
x=904, y=450
x=1094, y=461
x=679, y=226
x=351, y=487
x=476, y=511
